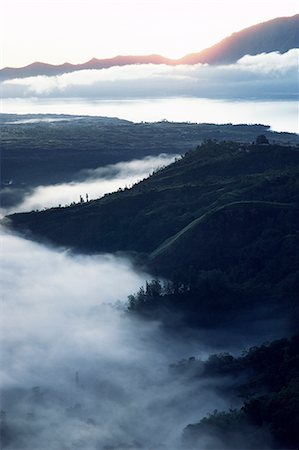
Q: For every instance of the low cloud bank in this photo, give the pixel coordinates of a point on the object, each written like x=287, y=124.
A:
x=94, y=183
x=265, y=76
x=77, y=371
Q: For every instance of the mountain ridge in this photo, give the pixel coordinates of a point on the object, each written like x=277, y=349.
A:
x=279, y=34
x=221, y=224
x=215, y=175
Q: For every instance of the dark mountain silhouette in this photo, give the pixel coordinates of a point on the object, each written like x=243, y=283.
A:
x=279, y=35
x=40, y=68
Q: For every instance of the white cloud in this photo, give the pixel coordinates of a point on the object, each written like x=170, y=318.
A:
x=95, y=183
x=252, y=76
x=78, y=373
x=271, y=62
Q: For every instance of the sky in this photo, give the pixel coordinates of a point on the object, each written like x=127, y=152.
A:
x=56, y=31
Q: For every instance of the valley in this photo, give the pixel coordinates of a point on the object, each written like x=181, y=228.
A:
x=213, y=240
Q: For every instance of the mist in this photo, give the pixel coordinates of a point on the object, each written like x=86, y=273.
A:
x=77, y=370
x=91, y=182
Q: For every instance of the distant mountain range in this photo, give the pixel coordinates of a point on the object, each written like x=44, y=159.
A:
x=280, y=35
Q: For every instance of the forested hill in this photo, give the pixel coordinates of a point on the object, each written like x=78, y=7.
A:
x=48, y=149
x=222, y=221
x=202, y=187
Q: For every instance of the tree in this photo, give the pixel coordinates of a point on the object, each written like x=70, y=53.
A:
x=262, y=140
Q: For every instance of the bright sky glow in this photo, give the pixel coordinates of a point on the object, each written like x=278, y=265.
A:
x=56, y=31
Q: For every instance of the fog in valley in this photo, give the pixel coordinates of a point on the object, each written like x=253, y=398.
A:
x=186, y=337
x=81, y=372
x=78, y=372
x=89, y=184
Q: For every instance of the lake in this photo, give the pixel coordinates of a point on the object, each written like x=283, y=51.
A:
x=280, y=115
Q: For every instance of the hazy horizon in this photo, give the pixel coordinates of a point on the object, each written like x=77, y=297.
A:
x=109, y=28
x=255, y=89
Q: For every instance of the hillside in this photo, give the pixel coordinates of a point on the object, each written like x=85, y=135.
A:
x=221, y=222
x=279, y=35
x=188, y=193
x=266, y=378
x=213, y=176
x=50, y=149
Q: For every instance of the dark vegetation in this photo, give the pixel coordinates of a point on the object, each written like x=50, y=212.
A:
x=266, y=378
x=43, y=153
x=221, y=224
x=48, y=153
x=279, y=35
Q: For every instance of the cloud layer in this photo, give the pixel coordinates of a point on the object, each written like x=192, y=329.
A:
x=77, y=371
x=265, y=76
